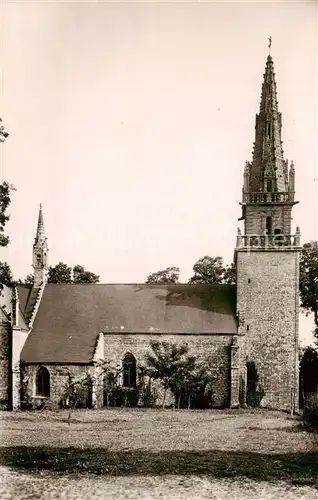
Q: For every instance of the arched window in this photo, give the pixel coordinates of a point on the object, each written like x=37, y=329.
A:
x=269, y=131
x=129, y=371
x=42, y=382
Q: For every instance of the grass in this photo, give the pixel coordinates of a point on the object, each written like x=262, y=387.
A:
x=256, y=445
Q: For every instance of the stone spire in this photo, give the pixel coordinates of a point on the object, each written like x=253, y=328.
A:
x=40, y=232
x=268, y=170
x=40, y=253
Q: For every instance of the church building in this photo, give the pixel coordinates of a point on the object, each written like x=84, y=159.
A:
x=247, y=331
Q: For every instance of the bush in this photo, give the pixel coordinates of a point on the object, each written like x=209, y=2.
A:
x=148, y=396
x=310, y=413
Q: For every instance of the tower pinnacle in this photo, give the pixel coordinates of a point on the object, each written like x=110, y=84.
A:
x=268, y=170
x=40, y=232
x=40, y=253
x=269, y=188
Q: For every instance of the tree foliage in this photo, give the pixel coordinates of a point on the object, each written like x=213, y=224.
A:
x=6, y=277
x=177, y=371
x=82, y=276
x=62, y=273
x=308, y=373
x=5, y=199
x=168, y=276
x=211, y=270
x=308, y=282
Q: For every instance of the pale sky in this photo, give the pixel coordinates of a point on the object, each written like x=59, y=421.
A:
x=131, y=124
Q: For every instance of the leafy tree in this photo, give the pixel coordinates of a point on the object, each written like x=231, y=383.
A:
x=308, y=373
x=29, y=279
x=82, y=276
x=308, y=282
x=5, y=199
x=77, y=393
x=6, y=277
x=3, y=133
x=61, y=273
x=110, y=377
x=168, y=276
x=211, y=270
x=165, y=362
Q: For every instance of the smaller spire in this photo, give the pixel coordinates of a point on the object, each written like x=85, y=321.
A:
x=40, y=232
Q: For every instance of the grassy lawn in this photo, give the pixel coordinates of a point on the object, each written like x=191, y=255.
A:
x=118, y=444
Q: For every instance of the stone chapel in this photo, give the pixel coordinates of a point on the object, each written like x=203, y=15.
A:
x=50, y=331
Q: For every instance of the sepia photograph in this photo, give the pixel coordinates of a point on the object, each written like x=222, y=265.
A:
x=158, y=250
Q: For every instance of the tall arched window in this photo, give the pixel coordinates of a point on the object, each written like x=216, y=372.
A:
x=42, y=382
x=129, y=371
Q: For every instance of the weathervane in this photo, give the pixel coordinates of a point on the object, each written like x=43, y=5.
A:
x=269, y=45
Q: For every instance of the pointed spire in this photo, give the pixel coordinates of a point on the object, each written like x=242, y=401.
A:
x=267, y=170
x=40, y=232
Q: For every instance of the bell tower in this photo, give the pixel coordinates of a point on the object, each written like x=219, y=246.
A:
x=40, y=253
x=267, y=258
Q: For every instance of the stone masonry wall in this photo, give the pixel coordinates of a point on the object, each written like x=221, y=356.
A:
x=216, y=347
x=268, y=308
x=59, y=376
x=256, y=219
x=4, y=359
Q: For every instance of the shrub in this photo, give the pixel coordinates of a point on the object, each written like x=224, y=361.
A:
x=310, y=413
x=148, y=396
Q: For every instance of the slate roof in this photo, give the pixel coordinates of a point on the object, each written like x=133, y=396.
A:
x=70, y=317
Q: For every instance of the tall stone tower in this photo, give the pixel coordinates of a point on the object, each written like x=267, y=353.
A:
x=40, y=253
x=267, y=257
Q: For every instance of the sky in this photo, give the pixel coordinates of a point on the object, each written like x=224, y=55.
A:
x=131, y=124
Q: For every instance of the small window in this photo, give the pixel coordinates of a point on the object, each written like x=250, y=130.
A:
x=249, y=280
x=269, y=131
x=269, y=185
x=269, y=225
x=42, y=383
x=129, y=371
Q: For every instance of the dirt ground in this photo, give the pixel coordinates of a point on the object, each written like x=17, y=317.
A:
x=127, y=453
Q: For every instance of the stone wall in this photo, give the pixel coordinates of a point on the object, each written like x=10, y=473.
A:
x=215, y=347
x=5, y=329
x=256, y=219
x=4, y=359
x=268, y=309
x=59, y=377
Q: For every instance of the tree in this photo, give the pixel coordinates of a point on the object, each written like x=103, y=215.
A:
x=308, y=282
x=77, y=393
x=164, y=363
x=5, y=199
x=168, y=276
x=110, y=377
x=61, y=273
x=82, y=276
x=6, y=277
x=308, y=373
x=29, y=279
x=211, y=270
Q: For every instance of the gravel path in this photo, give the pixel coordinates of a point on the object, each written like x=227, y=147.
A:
x=47, y=486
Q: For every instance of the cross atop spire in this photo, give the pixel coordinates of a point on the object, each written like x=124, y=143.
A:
x=40, y=232
x=269, y=45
